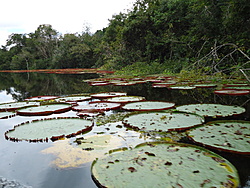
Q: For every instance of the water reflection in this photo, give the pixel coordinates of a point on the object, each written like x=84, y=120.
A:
x=25, y=162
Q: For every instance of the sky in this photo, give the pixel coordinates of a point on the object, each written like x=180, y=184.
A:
x=24, y=16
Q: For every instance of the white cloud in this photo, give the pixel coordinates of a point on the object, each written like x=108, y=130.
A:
x=24, y=16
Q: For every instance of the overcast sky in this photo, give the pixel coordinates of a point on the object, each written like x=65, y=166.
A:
x=24, y=16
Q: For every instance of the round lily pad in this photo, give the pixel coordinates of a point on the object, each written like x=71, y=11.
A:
x=17, y=105
x=162, y=121
x=182, y=87
x=4, y=115
x=239, y=88
x=105, y=95
x=205, y=85
x=99, y=106
x=231, y=92
x=50, y=128
x=230, y=136
x=76, y=98
x=41, y=98
x=164, y=165
x=212, y=110
x=148, y=105
x=44, y=109
x=126, y=99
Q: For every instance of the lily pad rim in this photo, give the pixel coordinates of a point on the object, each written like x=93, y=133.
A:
x=215, y=147
x=146, y=110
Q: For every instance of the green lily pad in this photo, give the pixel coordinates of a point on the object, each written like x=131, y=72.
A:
x=239, y=88
x=105, y=95
x=230, y=136
x=41, y=98
x=4, y=115
x=205, y=85
x=231, y=92
x=181, y=87
x=212, y=110
x=164, y=165
x=44, y=109
x=126, y=99
x=162, y=121
x=77, y=98
x=98, y=106
x=50, y=128
x=16, y=105
x=148, y=105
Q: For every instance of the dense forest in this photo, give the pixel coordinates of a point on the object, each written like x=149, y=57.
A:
x=156, y=36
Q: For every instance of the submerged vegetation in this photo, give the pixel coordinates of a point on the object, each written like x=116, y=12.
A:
x=155, y=36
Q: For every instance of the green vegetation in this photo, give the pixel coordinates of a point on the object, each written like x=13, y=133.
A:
x=155, y=36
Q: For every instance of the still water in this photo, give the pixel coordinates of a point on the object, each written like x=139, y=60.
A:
x=30, y=164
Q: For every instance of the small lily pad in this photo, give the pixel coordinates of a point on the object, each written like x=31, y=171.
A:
x=162, y=121
x=44, y=109
x=230, y=136
x=212, y=110
x=50, y=128
x=161, y=164
x=148, y=105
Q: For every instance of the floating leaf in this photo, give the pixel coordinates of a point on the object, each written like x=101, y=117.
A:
x=205, y=85
x=231, y=136
x=148, y=105
x=162, y=121
x=126, y=99
x=231, y=92
x=136, y=168
x=41, y=98
x=16, y=105
x=99, y=106
x=105, y=95
x=212, y=110
x=181, y=87
x=44, y=109
x=4, y=115
x=77, y=98
x=51, y=128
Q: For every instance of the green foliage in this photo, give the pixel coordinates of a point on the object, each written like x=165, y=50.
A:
x=155, y=36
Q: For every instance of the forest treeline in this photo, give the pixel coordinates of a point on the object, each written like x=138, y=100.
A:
x=155, y=35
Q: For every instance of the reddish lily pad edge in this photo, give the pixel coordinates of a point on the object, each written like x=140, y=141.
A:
x=53, y=138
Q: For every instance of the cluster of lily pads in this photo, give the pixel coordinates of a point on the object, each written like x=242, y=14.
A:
x=158, y=163
x=174, y=83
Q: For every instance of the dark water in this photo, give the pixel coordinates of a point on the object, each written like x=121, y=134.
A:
x=25, y=163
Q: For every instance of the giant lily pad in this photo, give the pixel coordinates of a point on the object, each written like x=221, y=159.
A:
x=74, y=98
x=126, y=99
x=212, y=110
x=231, y=92
x=232, y=136
x=148, y=105
x=164, y=165
x=16, y=105
x=105, y=95
x=4, y=115
x=98, y=106
x=51, y=128
x=45, y=109
x=162, y=121
x=41, y=98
